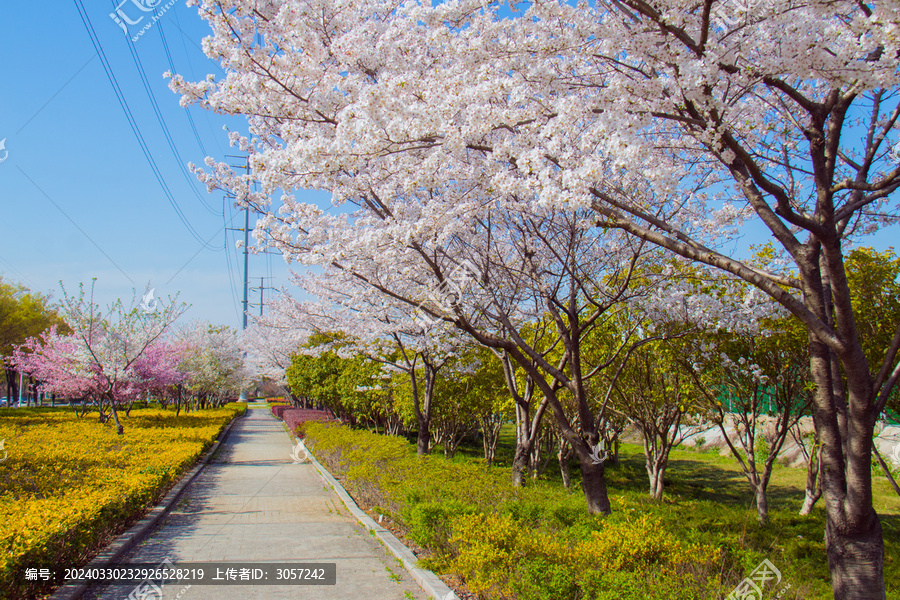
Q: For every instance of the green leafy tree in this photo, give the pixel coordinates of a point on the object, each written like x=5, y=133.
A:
x=874, y=281
x=314, y=373
x=471, y=396
x=758, y=389
x=656, y=395
x=23, y=314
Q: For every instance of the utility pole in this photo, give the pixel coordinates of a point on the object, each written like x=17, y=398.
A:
x=246, y=262
x=246, y=167
x=261, y=287
x=246, y=302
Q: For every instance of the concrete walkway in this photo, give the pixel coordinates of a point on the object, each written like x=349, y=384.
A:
x=251, y=504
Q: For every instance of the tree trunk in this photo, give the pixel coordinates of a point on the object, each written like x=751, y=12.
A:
x=423, y=438
x=809, y=500
x=813, y=481
x=12, y=385
x=520, y=465
x=115, y=415
x=564, y=471
x=656, y=473
x=762, y=503
x=563, y=454
x=449, y=448
x=856, y=560
x=487, y=442
x=853, y=535
x=593, y=482
x=527, y=432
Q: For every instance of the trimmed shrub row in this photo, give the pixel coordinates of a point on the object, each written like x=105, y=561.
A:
x=536, y=543
x=70, y=483
x=294, y=418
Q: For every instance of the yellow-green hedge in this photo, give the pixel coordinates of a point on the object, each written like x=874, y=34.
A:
x=68, y=483
x=535, y=543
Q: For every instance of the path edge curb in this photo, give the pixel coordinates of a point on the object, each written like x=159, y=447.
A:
x=127, y=540
x=427, y=580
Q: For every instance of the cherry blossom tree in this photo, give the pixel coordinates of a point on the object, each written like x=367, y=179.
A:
x=213, y=361
x=381, y=328
x=270, y=342
x=52, y=359
x=159, y=369
x=114, y=357
x=671, y=120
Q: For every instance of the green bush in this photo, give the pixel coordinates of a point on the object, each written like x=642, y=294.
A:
x=536, y=543
x=540, y=579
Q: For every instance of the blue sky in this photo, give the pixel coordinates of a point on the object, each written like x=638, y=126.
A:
x=79, y=199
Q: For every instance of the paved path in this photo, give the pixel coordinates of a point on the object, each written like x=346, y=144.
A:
x=251, y=504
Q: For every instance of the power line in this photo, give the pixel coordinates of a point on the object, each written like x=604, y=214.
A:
x=260, y=289
x=72, y=221
x=148, y=89
x=187, y=112
x=132, y=122
x=184, y=39
x=246, y=167
x=227, y=248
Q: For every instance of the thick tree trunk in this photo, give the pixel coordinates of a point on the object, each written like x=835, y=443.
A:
x=593, y=482
x=853, y=535
x=856, y=560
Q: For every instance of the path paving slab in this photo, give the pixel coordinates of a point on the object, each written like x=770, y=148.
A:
x=252, y=504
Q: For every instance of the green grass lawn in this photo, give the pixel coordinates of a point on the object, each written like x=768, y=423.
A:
x=692, y=474
x=707, y=498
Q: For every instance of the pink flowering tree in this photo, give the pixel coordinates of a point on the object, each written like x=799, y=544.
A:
x=52, y=359
x=113, y=357
x=158, y=371
x=212, y=361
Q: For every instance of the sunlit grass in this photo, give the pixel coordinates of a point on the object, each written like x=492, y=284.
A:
x=707, y=501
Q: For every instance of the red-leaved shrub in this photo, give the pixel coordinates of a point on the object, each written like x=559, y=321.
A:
x=295, y=417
